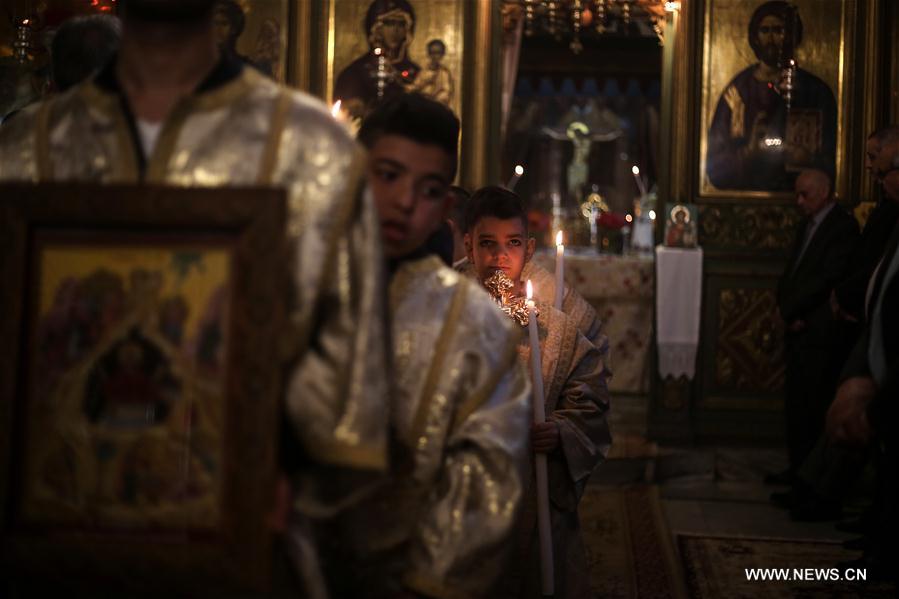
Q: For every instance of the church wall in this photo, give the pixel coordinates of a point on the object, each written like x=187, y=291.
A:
x=737, y=391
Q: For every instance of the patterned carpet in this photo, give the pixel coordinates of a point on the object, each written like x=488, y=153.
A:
x=715, y=567
x=629, y=547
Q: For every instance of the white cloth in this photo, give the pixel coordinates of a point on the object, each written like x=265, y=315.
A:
x=642, y=238
x=149, y=133
x=678, y=303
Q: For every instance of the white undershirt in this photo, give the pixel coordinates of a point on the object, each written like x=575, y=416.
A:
x=149, y=133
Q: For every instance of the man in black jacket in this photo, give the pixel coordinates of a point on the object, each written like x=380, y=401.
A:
x=817, y=262
x=865, y=406
x=830, y=470
x=849, y=296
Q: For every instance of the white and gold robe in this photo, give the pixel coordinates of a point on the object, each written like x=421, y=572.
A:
x=251, y=131
x=573, y=303
x=444, y=523
x=576, y=398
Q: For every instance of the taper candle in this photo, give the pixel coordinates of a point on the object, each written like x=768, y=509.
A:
x=543, y=523
x=560, y=272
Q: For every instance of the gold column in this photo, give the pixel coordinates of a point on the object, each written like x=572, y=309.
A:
x=675, y=147
x=870, y=65
x=299, y=45
x=481, y=144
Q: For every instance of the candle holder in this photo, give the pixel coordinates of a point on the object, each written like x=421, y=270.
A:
x=502, y=290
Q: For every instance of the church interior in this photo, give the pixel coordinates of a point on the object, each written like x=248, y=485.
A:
x=242, y=267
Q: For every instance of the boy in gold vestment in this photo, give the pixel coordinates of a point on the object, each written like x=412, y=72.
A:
x=575, y=436
x=442, y=524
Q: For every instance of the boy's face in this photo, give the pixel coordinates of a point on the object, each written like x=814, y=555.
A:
x=410, y=183
x=499, y=244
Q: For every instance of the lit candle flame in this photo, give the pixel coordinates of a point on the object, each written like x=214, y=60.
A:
x=530, y=290
x=335, y=110
x=519, y=170
x=636, y=170
x=559, y=238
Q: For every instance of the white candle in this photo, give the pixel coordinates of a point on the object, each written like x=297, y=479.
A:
x=557, y=210
x=519, y=171
x=382, y=72
x=560, y=271
x=640, y=184
x=535, y=355
x=543, y=523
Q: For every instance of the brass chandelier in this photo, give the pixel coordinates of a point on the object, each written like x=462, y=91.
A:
x=578, y=19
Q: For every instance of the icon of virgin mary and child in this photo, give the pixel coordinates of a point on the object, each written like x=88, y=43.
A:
x=386, y=69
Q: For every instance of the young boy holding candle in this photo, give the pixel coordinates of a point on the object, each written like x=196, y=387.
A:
x=575, y=436
x=441, y=526
x=573, y=303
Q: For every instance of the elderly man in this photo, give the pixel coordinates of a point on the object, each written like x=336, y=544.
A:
x=830, y=470
x=820, y=253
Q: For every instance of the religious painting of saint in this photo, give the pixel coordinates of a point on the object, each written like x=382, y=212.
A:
x=680, y=227
x=254, y=33
x=121, y=345
x=386, y=47
x=142, y=396
x=772, y=94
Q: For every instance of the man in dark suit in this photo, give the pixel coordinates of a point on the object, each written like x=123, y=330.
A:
x=865, y=406
x=830, y=470
x=817, y=262
x=849, y=296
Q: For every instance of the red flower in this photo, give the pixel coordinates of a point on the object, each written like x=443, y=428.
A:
x=611, y=220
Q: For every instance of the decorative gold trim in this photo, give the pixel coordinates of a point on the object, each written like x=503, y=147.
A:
x=441, y=349
x=42, y=141
x=354, y=456
x=276, y=130
x=556, y=375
